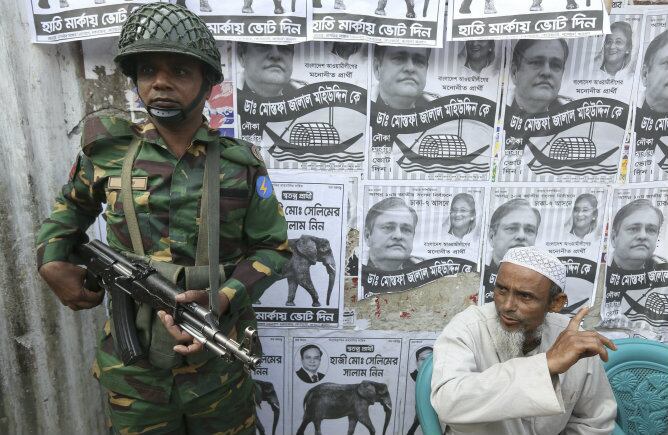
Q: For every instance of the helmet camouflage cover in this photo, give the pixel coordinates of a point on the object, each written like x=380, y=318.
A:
x=166, y=28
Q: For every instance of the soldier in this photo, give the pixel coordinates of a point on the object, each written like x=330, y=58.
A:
x=171, y=56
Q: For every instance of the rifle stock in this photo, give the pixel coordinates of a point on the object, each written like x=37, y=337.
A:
x=128, y=280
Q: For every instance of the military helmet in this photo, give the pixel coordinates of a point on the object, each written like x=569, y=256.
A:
x=166, y=28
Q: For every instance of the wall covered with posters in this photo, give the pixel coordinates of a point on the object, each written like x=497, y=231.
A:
x=411, y=168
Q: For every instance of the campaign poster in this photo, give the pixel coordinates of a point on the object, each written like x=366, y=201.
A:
x=501, y=19
x=305, y=105
x=649, y=153
x=271, y=388
x=419, y=349
x=567, y=105
x=565, y=220
x=636, y=278
x=341, y=379
x=310, y=291
x=433, y=111
x=55, y=21
x=397, y=22
x=415, y=234
x=265, y=21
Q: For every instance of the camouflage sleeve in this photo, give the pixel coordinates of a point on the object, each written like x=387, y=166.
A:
x=265, y=232
x=77, y=206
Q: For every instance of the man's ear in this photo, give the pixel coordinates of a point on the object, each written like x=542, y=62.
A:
x=558, y=302
x=513, y=73
x=643, y=74
x=376, y=69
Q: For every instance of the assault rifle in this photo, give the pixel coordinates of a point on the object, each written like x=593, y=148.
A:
x=128, y=280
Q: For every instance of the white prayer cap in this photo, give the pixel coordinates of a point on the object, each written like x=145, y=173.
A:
x=540, y=261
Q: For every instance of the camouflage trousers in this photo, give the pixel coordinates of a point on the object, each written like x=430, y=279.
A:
x=225, y=411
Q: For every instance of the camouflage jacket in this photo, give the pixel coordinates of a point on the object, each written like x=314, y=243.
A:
x=167, y=193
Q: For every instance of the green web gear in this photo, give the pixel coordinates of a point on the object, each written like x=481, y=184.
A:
x=166, y=28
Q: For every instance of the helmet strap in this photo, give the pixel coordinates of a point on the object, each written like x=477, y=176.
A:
x=171, y=117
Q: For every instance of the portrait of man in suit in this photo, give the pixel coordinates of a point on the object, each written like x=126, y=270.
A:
x=311, y=356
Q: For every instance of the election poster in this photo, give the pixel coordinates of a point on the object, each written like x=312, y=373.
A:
x=567, y=106
x=345, y=380
x=565, y=220
x=499, y=19
x=649, y=154
x=397, y=22
x=55, y=21
x=636, y=278
x=419, y=349
x=305, y=105
x=414, y=234
x=433, y=111
x=264, y=21
x=271, y=386
x=310, y=292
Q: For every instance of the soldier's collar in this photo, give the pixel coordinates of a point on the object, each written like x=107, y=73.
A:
x=148, y=133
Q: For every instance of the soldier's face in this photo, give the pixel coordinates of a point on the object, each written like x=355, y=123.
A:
x=169, y=81
x=267, y=66
x=391, y=236
x=655, y=78
x=537, y=76
x=635, y=239
x=402, y=71
x=517, y=228
x=311, y=360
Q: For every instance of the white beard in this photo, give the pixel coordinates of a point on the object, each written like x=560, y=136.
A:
x=509, y=344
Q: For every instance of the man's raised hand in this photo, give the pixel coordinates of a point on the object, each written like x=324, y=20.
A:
x=573, y=345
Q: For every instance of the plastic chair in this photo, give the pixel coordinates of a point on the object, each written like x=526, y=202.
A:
x=638, y=374
x=425, y=413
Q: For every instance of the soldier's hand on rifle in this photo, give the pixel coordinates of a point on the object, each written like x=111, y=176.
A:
x=66, y=281
x=187, y=344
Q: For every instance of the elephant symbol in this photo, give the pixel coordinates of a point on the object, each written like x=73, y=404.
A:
x=331, y=401
x=306, y=252
x=265, y=392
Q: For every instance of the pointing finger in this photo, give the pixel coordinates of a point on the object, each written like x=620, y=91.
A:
x=574, y=324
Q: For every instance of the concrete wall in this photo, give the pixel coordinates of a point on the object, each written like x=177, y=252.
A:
x=45, y=349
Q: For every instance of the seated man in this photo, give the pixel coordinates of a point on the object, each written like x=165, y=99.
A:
x=516, y=367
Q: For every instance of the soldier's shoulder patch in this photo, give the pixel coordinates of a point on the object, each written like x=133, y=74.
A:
x=257, y=152
x=102, y=130
x=263, y=187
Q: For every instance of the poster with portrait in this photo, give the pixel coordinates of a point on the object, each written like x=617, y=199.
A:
x=419, y=348
x=649, y=153
x=394, y=22
x=339, y=377
x=636, y=278
x=500, y=19
x=55, y=21
x=265, y=21
x=565, y=220
x=305, y=105
x=433, y=111
x=310, y=294
x=567, y=106
x=414, y=234
x=271, y=386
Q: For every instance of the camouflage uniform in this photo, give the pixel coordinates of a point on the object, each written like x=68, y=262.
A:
x=214, y=395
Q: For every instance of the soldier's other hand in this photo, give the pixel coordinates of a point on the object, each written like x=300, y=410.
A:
x=66, y=281
x=187, y=344
x=573, y=345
